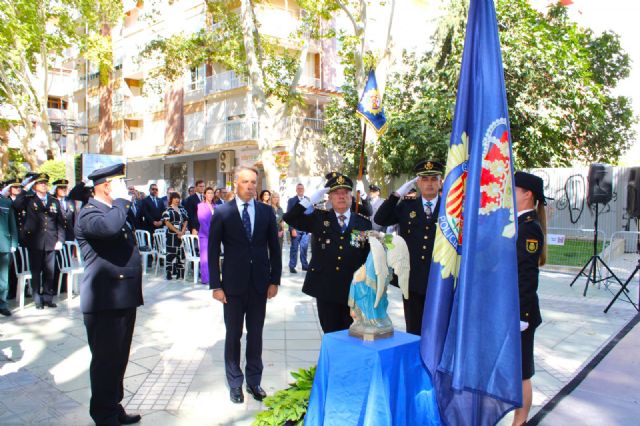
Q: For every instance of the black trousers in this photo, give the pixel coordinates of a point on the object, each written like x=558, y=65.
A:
x=251, y=306
x=413, y=311
x=43, y=263
x=109, y=335
x=333, y=316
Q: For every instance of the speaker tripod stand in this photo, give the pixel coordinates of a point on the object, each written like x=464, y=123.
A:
x=592, y=263
x=624, y=290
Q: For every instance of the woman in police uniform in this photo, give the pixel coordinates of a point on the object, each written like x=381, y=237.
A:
x=530, y=202
x=175, y=218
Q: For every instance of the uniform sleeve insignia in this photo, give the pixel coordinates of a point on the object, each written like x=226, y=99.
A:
x=326, y=223
x=412, y=214
x=532, y=246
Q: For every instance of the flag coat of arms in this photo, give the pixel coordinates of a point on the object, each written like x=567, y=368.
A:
x=470, y=331
x=370, y=105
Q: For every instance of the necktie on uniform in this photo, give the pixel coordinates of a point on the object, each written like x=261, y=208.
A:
x=246, y=220
x=155, y=202
x=342, y=221
x=427, y=208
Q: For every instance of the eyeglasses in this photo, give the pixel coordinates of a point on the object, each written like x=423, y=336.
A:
x=154, y=189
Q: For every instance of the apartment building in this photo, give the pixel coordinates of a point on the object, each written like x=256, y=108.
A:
x=196, y=128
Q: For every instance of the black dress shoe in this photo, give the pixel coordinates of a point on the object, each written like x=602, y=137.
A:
x=50, y=305
x=169, y=276
x=236, y=395
x=39, y=306
x=293, y=270
x=305, y=269
x=258, y=393
x=5, y=312
x=129, y=419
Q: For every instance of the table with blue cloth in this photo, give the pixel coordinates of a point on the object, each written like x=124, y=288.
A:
x=382, y=382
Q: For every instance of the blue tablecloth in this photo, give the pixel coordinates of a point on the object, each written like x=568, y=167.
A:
x=371, y=383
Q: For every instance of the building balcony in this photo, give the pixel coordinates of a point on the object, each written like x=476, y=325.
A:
x=228, y=80
x=232, y=131
x=130, y=108
x=310, y=81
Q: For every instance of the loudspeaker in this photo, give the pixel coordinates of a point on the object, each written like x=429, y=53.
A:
x=226, y=161
x=633, y=193
x=600, y=184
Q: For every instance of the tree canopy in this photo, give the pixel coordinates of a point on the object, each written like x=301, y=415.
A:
x=559, y=79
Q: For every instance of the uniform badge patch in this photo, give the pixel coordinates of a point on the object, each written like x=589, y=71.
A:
x=326, y=223
x=532, y=246
x=412, y=214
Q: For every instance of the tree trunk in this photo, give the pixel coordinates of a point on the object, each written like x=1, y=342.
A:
x=258, y=96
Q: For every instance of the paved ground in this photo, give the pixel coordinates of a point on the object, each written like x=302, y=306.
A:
x=176, y=375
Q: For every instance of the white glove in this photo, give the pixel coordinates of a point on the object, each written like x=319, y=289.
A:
x=13, y=249
x=58, y=246
x=5, y=191
x=360, y=189
x=523, y=325
x=119, y=190
x=318, y=196
x=29, y=185
x=404, y=189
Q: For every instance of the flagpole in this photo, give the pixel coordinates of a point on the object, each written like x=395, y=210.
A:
x=364, y=136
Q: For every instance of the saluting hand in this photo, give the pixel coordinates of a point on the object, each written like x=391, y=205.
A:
x=405, y=188
x=272, y=291
x=219, y=295
x=318, y=196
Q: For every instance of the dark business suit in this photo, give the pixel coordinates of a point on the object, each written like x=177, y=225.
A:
x=152, y=212
x=111, y=290
x=333, y=261
x=191, y=206
x=419, y=232
x=249, y=267
x=43, y=228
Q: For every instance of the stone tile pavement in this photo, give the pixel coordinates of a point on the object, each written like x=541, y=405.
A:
x=175, y=374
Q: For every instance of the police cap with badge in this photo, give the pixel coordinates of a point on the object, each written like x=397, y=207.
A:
x=107, y=174
x=428, y=168
x=15, y=182
x=336, y=180
x=532, y=183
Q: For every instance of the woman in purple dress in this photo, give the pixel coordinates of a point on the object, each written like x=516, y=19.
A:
x=205, y=213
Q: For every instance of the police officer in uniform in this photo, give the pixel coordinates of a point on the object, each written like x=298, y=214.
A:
x=530, y=202
x=8, y=244
x=111, y=290
x=416, y=218
x=59, y=191
x=11, y=189
x=335, y=254
x=43, y=234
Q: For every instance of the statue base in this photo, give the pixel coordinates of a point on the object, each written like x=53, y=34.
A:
x=372, y=335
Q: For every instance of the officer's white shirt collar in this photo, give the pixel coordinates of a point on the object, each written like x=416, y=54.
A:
x=105, y=202
x=251, y=209
x=520, y=213
x=346, y=214
x=434, y=201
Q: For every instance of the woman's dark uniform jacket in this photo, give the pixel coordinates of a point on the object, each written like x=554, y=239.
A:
x=113, y=270
x=333, y=259
x=530, y=245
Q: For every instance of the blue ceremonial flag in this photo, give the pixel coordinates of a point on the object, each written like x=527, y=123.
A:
x=370, y=105
x=470, y=330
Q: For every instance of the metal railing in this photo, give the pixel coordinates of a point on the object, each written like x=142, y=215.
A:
x=224, y=81
x=232, y=131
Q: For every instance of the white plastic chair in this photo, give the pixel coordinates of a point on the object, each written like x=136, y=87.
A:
x=146, y=249
x=190, y=243
x=23, y=271
x=69, y=266
x=160, y=244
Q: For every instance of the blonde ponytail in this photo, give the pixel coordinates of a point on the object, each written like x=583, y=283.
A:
x=542, y=218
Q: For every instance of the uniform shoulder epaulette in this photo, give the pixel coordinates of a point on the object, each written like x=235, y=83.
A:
x=409, y=197
x=89, y=206
x=529, y=219
x=366, y=217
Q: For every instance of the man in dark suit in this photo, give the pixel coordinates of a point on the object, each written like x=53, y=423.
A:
x=416, y=218
x=152, y=209
x=334, y=257
x=299, y=239
x=250, y=275
x=135, y=212
x=111, y=291
x=42, y=233
x=191, y=206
